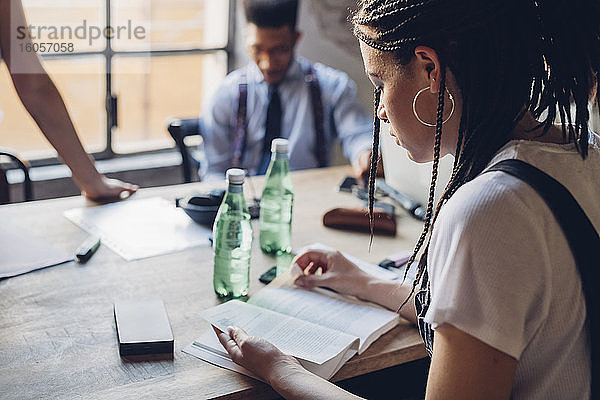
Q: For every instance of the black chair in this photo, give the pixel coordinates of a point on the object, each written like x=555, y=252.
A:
x=23, y=166
x=191, y=157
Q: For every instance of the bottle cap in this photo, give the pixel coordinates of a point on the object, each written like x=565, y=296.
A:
x=235, y=176
x=279, y=145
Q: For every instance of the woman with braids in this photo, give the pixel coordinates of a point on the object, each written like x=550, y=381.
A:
x=502, y=296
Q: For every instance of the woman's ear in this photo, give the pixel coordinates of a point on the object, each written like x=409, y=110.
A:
x=428, y=66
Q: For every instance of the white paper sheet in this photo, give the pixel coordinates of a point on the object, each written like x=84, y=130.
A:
x=143, y=228
x=21, y=251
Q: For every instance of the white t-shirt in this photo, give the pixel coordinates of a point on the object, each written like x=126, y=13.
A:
x=1, y=112
x=501, y=270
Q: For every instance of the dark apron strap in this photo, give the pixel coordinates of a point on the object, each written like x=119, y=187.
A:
x=422, y=300
x=320, y=149
x=581, y=235
x=241, y=124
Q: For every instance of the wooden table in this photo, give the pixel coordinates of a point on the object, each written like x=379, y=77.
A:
x=57, y=331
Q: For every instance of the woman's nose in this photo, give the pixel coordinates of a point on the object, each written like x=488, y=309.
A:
x=381, y=114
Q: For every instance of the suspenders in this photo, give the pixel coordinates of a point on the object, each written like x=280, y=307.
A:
x=318, y=116
x=241, y=122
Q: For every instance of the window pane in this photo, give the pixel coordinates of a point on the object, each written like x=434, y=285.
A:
x=175, y=86
x=173, y=24
x=81, y=83
x=131, y=21
x=67, y=21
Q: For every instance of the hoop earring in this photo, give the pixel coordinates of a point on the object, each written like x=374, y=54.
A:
x=414, y=107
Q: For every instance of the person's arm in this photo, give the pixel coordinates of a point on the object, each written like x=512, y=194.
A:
x=354, y=126
x=463, y=367
x=218, y=120
x=284, y=373
x=341, y=275
x=42, y=100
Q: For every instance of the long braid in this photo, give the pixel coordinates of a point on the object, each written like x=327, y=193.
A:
x=434, y=175
x=374, y=160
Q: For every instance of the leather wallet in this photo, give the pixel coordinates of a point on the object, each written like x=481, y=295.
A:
x=357, y=219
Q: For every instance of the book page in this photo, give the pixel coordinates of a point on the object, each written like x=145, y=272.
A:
x=326, y=308
x=208, y=348
x=331, y=367
x=292, y=336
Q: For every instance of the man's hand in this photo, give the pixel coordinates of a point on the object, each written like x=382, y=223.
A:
x=362, y=166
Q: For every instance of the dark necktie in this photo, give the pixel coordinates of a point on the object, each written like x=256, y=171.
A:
x=272, y=128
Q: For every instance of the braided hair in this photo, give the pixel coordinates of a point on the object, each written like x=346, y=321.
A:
x=374, y=159
x=508, y=57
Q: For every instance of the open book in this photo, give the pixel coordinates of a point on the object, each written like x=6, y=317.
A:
x=319, y=327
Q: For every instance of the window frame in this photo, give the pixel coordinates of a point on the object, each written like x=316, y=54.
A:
x=111, y=100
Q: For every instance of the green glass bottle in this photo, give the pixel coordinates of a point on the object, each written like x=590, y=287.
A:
x=232, y=236
x=277, y=202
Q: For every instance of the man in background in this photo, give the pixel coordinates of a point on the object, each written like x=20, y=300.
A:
x=280, y=95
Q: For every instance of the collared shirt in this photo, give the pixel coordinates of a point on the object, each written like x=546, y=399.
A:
x=344, y=117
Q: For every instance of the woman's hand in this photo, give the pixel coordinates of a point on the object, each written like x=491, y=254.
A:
x=105, y=190
x=257, y=355
x=337, y=272
x=284, y=373
x=341, y=275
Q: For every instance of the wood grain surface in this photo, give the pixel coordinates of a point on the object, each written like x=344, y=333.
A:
x=57, y=331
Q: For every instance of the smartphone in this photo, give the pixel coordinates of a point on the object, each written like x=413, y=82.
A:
x=143, y=328
x=347, y=184
x=254, y=209
x=269, y=275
